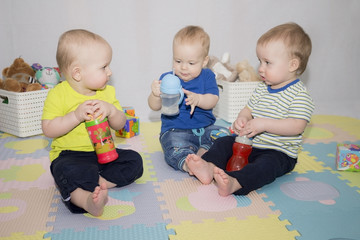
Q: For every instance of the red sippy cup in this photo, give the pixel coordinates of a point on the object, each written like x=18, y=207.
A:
x=100, y=135
x=241, y=150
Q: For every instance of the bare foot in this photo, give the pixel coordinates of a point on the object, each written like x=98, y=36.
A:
x=202, y=169
x=226, y=184
x=97, y=200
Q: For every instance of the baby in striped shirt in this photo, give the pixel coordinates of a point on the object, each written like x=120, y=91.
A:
x=275, y=117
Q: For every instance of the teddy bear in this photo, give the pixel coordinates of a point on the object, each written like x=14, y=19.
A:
x=246, y=73
x=223, y=70
x=19, y=77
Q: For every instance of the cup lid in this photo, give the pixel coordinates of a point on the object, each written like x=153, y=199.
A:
x=170, y=84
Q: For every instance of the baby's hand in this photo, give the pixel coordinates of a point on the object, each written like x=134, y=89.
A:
x=84, y=111
x=101, y=109
x=155, y=88
x=254, y=127
x=238, y=125
x=192, y=99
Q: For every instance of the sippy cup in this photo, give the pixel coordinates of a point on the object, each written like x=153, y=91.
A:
x=171, y=94
x=241, y=150
x=100, y=135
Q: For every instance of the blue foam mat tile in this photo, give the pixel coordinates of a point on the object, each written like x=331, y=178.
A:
x=136, y=232
x=163, y=171
x=317, y=205
x=325, y=153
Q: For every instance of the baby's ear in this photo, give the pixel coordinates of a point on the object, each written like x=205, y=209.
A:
x=75, y=74
x=206, y=60
x=294, y=64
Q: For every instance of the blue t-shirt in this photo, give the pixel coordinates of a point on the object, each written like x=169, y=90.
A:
x=204, y=83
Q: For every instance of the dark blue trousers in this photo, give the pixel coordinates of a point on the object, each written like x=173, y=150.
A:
x=264, y=166
x=74, y=169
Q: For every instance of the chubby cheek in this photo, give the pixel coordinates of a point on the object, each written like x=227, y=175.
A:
x=98, y=82
x=195, y=72
x=176, y=69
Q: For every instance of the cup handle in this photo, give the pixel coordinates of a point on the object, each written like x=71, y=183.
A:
x=181, y=95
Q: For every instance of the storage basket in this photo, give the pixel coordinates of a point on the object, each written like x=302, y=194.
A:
x=233, y=96
x=20, y=113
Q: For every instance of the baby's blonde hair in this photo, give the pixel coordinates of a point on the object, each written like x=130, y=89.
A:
x=69, y=46
x=295, y=39
x=191, y=34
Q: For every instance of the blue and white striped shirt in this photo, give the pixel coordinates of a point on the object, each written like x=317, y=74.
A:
x=290, y=101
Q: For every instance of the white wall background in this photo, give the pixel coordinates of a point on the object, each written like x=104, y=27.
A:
x=141, y=32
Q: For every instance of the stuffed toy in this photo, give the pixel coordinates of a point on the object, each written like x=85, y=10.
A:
x=48, y=77
x=246, y=73
x=223, y=69
x=19, y=77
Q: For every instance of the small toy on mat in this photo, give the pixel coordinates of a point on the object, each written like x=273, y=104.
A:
x=347, y=157
x=132, y=125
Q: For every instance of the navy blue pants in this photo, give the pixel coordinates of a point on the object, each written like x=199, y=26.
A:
x=74, y=169
x=264, y=166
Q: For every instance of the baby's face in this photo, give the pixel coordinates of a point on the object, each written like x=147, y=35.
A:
x=96, y=71
x=188, y=60
x=275, y=67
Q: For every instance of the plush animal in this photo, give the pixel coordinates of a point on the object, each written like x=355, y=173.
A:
x=19, y=77
x=246, y=73
x=223, y=69
x=46, y=76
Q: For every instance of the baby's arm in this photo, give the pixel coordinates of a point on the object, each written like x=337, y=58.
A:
x=62, y=125
x=284, y=127
x=154, y=100
x=204, y=101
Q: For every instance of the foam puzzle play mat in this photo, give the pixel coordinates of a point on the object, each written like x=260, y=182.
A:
x=315, y=201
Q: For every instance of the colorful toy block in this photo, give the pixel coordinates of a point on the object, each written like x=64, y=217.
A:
x=132, y=125
x=129, y=110
x=347, y=157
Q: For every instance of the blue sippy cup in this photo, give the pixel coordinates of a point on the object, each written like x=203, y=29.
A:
x=171, y=94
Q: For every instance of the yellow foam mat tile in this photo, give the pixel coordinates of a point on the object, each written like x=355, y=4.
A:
x=21, y=236
x=254, y=228
x=151, y=133
x=328, y=128
x=309, y=163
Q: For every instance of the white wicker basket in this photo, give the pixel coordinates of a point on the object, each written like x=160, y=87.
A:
x=233, y=97
x=20, y=113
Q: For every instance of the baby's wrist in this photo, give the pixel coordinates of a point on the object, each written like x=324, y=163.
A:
x=198, y=98
x=158, y=96
x=75, y=116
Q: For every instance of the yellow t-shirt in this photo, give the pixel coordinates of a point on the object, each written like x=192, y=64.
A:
x=62, y=100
